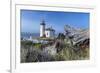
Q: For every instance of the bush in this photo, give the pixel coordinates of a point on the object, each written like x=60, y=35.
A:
x=68, y=53
x=37, y=45
x=32, y=52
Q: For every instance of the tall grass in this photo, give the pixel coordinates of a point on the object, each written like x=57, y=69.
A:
x=32, y=52
x=70, y=54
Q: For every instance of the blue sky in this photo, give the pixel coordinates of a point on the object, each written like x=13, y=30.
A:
x=31, y=19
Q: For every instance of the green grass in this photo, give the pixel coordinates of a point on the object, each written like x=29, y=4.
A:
x=67, y=53
x=29, y=43
x=37, y=45
x=70, y=54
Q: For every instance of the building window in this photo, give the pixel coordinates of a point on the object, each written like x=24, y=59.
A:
x=47, y=33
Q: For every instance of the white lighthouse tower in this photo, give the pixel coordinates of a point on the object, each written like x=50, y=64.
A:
x=42, y=28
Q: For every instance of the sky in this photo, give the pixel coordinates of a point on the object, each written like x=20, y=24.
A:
x=31, y=19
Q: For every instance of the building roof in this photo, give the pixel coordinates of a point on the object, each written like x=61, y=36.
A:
x=43, y=23
x=50, y=29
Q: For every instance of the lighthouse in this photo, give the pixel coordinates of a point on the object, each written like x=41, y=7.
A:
x=42, y=28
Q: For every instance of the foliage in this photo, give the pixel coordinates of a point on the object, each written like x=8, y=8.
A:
x=61, y=36
x=37, y=45
x=26, y=43
x=67, y=54
x=32, y=52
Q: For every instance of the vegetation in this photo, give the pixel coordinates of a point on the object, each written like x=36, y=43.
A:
x=61, y=36
x=70, y=54
x=65, y=50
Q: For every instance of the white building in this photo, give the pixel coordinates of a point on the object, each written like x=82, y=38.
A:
x=46, y=32
x=42, y=29
x=49, y=32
